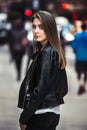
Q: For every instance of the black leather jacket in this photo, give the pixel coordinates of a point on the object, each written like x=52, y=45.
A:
x=47, y=83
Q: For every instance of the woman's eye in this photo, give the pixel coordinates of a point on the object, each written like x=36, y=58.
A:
x=40, y=27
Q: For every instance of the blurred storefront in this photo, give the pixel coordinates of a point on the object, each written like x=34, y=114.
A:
x=73, y=10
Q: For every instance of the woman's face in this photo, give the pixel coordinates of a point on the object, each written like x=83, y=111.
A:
x=38, y=31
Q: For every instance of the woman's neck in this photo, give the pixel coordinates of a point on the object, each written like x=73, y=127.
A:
x=44, y=43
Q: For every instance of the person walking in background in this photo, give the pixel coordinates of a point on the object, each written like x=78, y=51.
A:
x=17, y=44
x=46, y=81
x=79, y=45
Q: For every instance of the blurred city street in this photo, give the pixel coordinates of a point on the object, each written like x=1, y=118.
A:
x=73, y=112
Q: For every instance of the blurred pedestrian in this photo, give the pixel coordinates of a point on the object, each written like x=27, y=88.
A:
x=46, y=79
x=17, y=44
x=79, y=45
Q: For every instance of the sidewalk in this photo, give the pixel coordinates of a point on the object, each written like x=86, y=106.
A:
x=9, y=88
x=73, y=112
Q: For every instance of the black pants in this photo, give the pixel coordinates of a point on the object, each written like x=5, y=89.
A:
x=81, y=68
x=18, y=56
x=46, y=121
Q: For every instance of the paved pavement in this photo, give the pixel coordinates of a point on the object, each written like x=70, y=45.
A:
x=73, y=112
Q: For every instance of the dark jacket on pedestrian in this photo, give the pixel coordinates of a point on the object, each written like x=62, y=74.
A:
x=43, y=93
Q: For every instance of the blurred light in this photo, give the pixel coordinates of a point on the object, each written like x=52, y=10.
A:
x=27, y=25
x=62, y=20
x=69, y=37
x=30, y=36
x=8, y=26
x=35, y=4
x=28, y=12
x=3, y=16
x=65, y=5
x=50, y=6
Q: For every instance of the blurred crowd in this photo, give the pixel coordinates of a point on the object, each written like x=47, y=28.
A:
x=17, y=34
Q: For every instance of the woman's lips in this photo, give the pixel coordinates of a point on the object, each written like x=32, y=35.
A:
x=36, y=37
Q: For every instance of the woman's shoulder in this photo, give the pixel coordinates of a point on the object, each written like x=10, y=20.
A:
x=49, y=49
x=50, y=53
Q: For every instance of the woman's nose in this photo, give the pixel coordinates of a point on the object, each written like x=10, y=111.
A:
x=36, y=29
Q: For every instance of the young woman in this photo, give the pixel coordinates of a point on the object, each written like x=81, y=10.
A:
x=46, y=78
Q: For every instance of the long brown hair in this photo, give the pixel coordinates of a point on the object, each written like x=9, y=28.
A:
x=49, y=25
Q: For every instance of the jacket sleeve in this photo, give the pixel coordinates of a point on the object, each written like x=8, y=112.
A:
x=21, y=94
x=41, y=89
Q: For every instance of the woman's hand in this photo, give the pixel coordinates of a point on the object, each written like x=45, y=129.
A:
x=23, y=126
